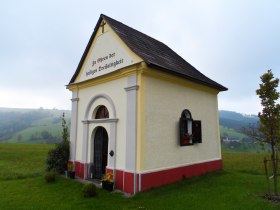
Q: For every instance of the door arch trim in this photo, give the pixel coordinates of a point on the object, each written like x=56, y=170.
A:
x=96, y=97
x=90, y=124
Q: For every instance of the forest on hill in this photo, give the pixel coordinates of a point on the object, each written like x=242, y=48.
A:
x=236, y=120
x=233, y=131
x=31, y=125
x=44, y=126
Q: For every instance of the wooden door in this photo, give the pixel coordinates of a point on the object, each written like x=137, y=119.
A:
x=100, y=153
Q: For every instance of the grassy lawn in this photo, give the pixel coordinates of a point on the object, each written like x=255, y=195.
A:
x=18, y=161
x=22, y=186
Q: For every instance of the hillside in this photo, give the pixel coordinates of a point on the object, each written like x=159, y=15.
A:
x=232, y=131
x=44, y=126
x=31, y=125
x=236, y=120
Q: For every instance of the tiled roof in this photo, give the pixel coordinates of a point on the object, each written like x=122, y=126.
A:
x=155, y=53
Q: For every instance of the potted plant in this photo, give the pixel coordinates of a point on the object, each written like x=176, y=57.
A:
x=107, y=182
x=70, y=172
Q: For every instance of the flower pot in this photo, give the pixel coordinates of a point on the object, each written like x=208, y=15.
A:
x=71, y=174
x=108, y=186
x=66, y=174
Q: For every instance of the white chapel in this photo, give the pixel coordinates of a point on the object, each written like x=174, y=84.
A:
x=141, y=111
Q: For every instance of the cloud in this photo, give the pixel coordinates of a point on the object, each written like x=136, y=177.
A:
x=245, y=105
x=232, y=42
x=19, y=98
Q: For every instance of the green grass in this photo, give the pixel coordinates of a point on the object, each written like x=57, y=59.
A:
x=18, y=161
x=238, y=186
x=241, y=147
x=249, y=163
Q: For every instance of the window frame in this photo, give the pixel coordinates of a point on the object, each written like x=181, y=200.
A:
x=190, y=129
x=101, y=112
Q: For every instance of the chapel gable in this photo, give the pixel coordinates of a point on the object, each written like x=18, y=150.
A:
x=104, y=54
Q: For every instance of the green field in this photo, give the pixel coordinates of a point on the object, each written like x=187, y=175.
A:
x=239, y=186
x=26, y=134
x=31, y=126
x=224, y=131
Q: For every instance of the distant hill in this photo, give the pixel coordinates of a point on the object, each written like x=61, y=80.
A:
x=232, y=131
x=31, y=125
x=236, y=120
x=44, y=126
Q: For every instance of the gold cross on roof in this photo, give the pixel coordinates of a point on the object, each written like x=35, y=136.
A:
x=103, y=23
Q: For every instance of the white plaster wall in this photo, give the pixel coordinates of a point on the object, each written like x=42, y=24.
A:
x=115, y=90
x=163, y=103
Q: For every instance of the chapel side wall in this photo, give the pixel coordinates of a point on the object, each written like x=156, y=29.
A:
x=115, y=90
x=164, y=100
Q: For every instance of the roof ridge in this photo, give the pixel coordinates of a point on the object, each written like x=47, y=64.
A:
x=112, y=19
x=152, y=51
x=143, y=34
x=105, y=16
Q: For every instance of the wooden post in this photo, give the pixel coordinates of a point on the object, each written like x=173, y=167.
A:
x=276, y=174
x=266, y=176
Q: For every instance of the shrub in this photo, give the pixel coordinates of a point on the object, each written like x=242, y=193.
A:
x=50, y=176
x=58, y=157
x=89, y=190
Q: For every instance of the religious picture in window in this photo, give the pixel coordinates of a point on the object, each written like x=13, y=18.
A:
x=190, y=130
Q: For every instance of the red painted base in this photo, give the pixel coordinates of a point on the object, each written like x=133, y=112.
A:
x=160, y=178
x=124, y=181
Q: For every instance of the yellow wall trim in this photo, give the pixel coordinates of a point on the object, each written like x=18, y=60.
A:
x=140, y=121
x=107, y=77
x=177, y=80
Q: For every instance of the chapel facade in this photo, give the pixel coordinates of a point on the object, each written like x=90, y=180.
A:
x=140, y=111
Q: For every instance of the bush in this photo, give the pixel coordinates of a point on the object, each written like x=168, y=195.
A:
x=89, y=190
x=50, y=177
x=58, y=157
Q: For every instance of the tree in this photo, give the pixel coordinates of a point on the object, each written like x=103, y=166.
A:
x=65, y=130
x=270, y=119
x=58, y=157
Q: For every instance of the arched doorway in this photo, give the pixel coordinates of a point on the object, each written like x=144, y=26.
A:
x=100, y=144
x=100, y=112
x=100, y=154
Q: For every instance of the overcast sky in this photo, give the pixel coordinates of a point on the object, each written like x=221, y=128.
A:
x=233, y=42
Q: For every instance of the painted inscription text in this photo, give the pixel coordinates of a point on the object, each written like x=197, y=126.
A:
x=104, y=63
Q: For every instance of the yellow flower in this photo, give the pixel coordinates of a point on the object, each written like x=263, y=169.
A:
x=108, y=177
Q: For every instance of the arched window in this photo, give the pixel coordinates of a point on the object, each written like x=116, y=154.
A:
x=102, y=112
x=186, y=128
x=190, y=130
